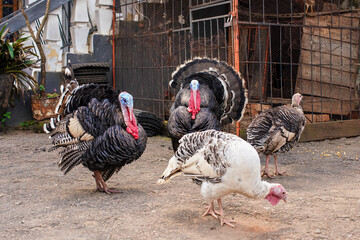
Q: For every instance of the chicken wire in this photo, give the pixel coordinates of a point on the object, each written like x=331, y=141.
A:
x=282, y=50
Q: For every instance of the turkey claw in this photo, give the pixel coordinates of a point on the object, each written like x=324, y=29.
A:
x=267, y=174
x=227, y=222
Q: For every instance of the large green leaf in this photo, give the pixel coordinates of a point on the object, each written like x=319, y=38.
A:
x=11, y=50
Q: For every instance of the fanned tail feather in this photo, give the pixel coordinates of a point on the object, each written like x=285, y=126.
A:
x=61, y=105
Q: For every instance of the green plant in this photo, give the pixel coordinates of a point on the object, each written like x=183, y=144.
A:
x=48, y=95
x=5, y=117
x=51, y=95
x=26, y=125
x=14, y=58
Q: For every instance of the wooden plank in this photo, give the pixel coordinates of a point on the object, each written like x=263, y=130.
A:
x=330, y=130
x=344, y=35
x=330, y=46
x=330, y=27
x=323, y=89
x=330, y=61
x=314, y=118
x=327, y=105
x=326, y=75
x=350, y=20
x=326, y=130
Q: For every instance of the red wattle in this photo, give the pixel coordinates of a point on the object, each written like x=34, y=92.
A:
x=132, y=127
x=192, y=108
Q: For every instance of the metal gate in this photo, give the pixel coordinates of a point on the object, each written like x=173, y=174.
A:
x=279, y=47
x=154, y=37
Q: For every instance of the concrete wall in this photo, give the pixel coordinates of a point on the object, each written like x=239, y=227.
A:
x=22, y=110
x=102, y=52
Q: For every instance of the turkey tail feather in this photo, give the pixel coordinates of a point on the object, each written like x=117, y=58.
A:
x=61, y=105
x=72, y=156
x=106, y=175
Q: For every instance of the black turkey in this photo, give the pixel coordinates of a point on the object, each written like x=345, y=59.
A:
x=277, y=130
x=97, y=128
x=211, y=93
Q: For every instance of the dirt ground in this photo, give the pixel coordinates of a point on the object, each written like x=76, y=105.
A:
x=38, y=202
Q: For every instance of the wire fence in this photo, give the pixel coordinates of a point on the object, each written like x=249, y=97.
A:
x=285, y=46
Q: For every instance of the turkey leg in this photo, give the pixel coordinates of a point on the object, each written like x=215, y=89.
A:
x=307, y=8
x=266, y=171
x=222, y=218
x=101, y=185
x=211, y=211
x=276, y=167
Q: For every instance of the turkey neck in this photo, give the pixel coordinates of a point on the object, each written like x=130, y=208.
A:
x=194, y=103
x=130, y=121
x=260, y=190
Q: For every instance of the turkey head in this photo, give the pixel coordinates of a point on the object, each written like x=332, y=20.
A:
x=195, y=100
x=276, y=193
x=127, y=107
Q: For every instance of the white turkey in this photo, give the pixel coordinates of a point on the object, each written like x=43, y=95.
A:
x=98, y=129
x=211, y=93
x=277, y=130
x=222, y=163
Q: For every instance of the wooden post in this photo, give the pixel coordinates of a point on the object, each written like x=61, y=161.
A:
x=236, y=37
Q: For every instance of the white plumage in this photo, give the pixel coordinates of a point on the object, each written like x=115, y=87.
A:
x=222, y=163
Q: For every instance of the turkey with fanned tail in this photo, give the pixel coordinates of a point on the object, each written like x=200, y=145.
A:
x=222, y=163
x=98, y=129
x=277, y=130
x=210, y=94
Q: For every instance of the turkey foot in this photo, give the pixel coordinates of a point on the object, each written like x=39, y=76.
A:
x=227, y=222
x=101, y=185
x=223, y=220
x=266, y=173
x=280, y=173
x=108, y=190
x=211, y=211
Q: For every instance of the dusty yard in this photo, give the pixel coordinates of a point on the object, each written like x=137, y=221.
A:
x=38, y=202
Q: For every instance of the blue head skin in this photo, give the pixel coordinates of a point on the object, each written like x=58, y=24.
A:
x=127, y=104
x=126, y=100
x=194, y=85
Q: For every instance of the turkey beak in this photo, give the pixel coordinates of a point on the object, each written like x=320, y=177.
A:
x=284, y=197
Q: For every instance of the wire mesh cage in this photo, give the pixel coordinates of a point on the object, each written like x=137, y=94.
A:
x=306, y=46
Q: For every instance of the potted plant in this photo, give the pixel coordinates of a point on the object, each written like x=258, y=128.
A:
x=42, y=104
x=14, y=58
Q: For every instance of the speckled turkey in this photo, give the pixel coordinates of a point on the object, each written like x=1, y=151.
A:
x=210, y=93
x=222, y=163
x=277, y=130
x=98, y=129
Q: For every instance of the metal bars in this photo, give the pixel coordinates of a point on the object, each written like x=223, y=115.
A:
x=282, y=50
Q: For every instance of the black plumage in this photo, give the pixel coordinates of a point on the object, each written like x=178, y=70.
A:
x=277, y=130
x=217, y=91
x=99, y=130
